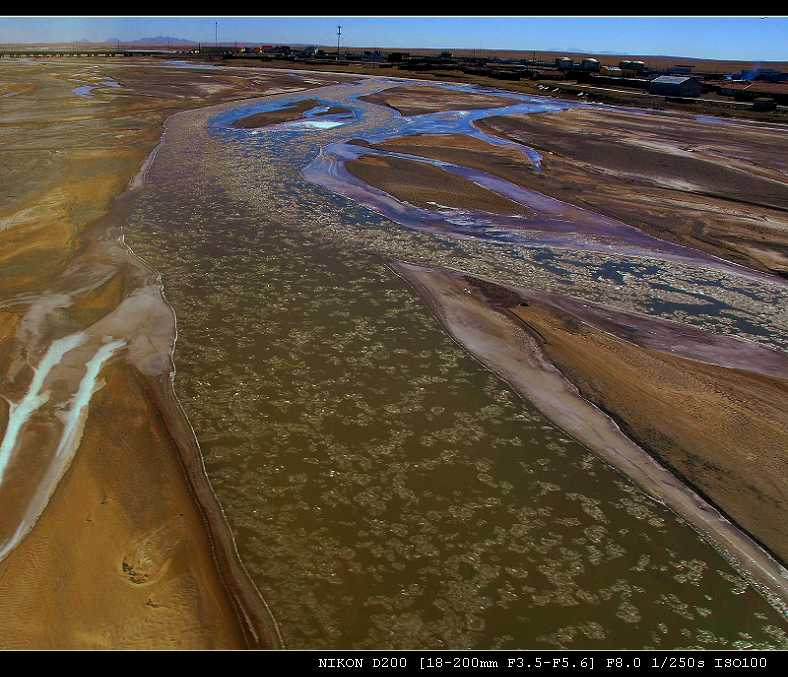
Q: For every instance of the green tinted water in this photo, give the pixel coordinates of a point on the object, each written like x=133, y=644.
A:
x=385, y=490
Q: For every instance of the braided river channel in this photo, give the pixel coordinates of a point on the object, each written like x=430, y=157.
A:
x=384, y=489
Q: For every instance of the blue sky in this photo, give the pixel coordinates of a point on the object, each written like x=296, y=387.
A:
x=749, y=38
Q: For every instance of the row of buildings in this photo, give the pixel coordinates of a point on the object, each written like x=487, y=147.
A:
x=758, y=84
x=676, y=81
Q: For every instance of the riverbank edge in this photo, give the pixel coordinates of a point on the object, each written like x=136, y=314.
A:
x=255, y=617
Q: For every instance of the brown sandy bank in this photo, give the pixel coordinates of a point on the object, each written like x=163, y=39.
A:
x=120, y=558
x=417, y=100
x=723, y=429
x=717, y=187
x=429, y=187
x=505, y=162
x=292, y=112
x=289, y=113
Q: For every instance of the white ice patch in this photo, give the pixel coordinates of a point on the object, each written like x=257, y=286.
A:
x=19, y=413
x=319, y=124
x=72, y=431
x=74, y=423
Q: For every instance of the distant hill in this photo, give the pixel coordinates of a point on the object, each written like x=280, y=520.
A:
x=158, y=40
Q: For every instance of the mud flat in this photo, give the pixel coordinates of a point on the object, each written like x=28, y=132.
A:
x=720, y=188
x=418, y=100
x=110, y=535
x=652, y=390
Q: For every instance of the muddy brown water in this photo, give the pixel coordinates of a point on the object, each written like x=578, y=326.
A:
x=384, y=489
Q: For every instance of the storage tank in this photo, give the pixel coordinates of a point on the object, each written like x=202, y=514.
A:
x=564, y=63
x=589, y=65
x=675, y=86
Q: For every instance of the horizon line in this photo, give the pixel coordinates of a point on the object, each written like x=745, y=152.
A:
x=223, y=43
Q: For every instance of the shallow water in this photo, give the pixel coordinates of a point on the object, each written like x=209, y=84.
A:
x=87, y=90
x=551, y=223
x=384, y=489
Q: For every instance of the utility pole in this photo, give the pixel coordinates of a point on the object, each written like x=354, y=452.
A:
x=339, y=34
x=215, y=33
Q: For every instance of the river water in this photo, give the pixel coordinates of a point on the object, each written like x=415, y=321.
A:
x=384, y=489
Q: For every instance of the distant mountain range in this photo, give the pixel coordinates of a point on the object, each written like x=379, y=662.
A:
x=158, y=40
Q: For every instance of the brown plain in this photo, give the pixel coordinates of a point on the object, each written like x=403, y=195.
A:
x=652, y=60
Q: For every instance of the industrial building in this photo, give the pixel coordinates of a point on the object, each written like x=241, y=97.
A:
x=749, y=91
x=675, y=85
